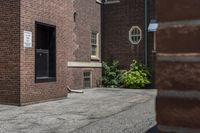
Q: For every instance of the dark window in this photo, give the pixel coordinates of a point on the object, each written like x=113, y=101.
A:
x=87, y=79
x=45, y=54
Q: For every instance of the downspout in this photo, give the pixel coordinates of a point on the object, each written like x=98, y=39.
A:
x=146, y=34
x=102, y=30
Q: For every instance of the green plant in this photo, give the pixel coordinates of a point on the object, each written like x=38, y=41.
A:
x=137, y=77
x=111, y=74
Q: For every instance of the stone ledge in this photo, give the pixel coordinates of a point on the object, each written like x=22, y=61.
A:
x=84, y=64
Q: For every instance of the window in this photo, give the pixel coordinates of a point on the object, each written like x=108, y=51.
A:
x=45, y=52
x=94, y=45
x=87, y=79
x=135, y=35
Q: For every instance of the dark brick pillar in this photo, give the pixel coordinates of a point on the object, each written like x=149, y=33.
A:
x=9, y=52
x=178, y=66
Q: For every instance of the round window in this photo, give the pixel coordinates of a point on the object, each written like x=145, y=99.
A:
x=135, y=35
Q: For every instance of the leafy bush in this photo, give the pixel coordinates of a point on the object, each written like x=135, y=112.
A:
x=137, y=77
x=111, y=74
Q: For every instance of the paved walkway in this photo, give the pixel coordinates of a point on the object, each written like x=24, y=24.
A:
x=96, y=111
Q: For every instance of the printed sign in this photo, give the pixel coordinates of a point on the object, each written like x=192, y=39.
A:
x=27, y=39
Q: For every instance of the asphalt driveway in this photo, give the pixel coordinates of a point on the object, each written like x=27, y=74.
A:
x=98, y=110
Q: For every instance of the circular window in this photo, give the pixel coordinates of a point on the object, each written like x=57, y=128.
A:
x=135, y=35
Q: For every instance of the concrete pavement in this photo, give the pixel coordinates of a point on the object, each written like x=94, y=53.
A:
x=98, y=110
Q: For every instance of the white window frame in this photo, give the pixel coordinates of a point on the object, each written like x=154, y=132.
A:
x=91, y=84
x=108, y=1
x=135, y=42
x=97, y=56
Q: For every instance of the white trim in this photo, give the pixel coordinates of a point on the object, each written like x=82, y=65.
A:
x=97, y=56
x=85, y=64
x=130, y=35
x=108, y=1
x=111, y=1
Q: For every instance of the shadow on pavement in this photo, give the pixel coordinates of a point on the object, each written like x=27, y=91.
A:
x=153, y=130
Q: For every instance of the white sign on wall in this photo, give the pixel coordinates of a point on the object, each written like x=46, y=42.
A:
x=27, y=39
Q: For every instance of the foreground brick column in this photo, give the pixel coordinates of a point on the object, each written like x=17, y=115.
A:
x=178, y=66
x=9, y=52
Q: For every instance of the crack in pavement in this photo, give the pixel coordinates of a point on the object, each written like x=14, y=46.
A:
x=76, y=112
x=111, y=115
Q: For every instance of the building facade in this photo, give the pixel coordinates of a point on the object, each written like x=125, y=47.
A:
x=125, y=31
x=46, y=46
x=49, y=45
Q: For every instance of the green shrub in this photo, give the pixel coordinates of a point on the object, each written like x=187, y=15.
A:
x=137, y=77
x=111, y=74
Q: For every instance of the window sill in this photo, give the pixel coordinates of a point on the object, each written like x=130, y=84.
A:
x=95, y=58
x=111, y=2
x=45, y=79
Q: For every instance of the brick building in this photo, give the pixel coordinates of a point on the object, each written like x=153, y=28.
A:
x=125, y=31
x=178, y=66
x=47, y=45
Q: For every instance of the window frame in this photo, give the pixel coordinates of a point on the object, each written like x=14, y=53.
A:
x=135, y=35
x=91, y=83
x=97, y=56
x=48, y=79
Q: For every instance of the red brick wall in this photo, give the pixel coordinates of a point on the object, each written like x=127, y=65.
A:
x=88, y=19
x=72, y=44
x=77, y=77
x=60, y=14
x=117, y=21
x=9, y=51
x=178, y=66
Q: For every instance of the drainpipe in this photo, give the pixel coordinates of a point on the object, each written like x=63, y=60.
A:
x=146, y=34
